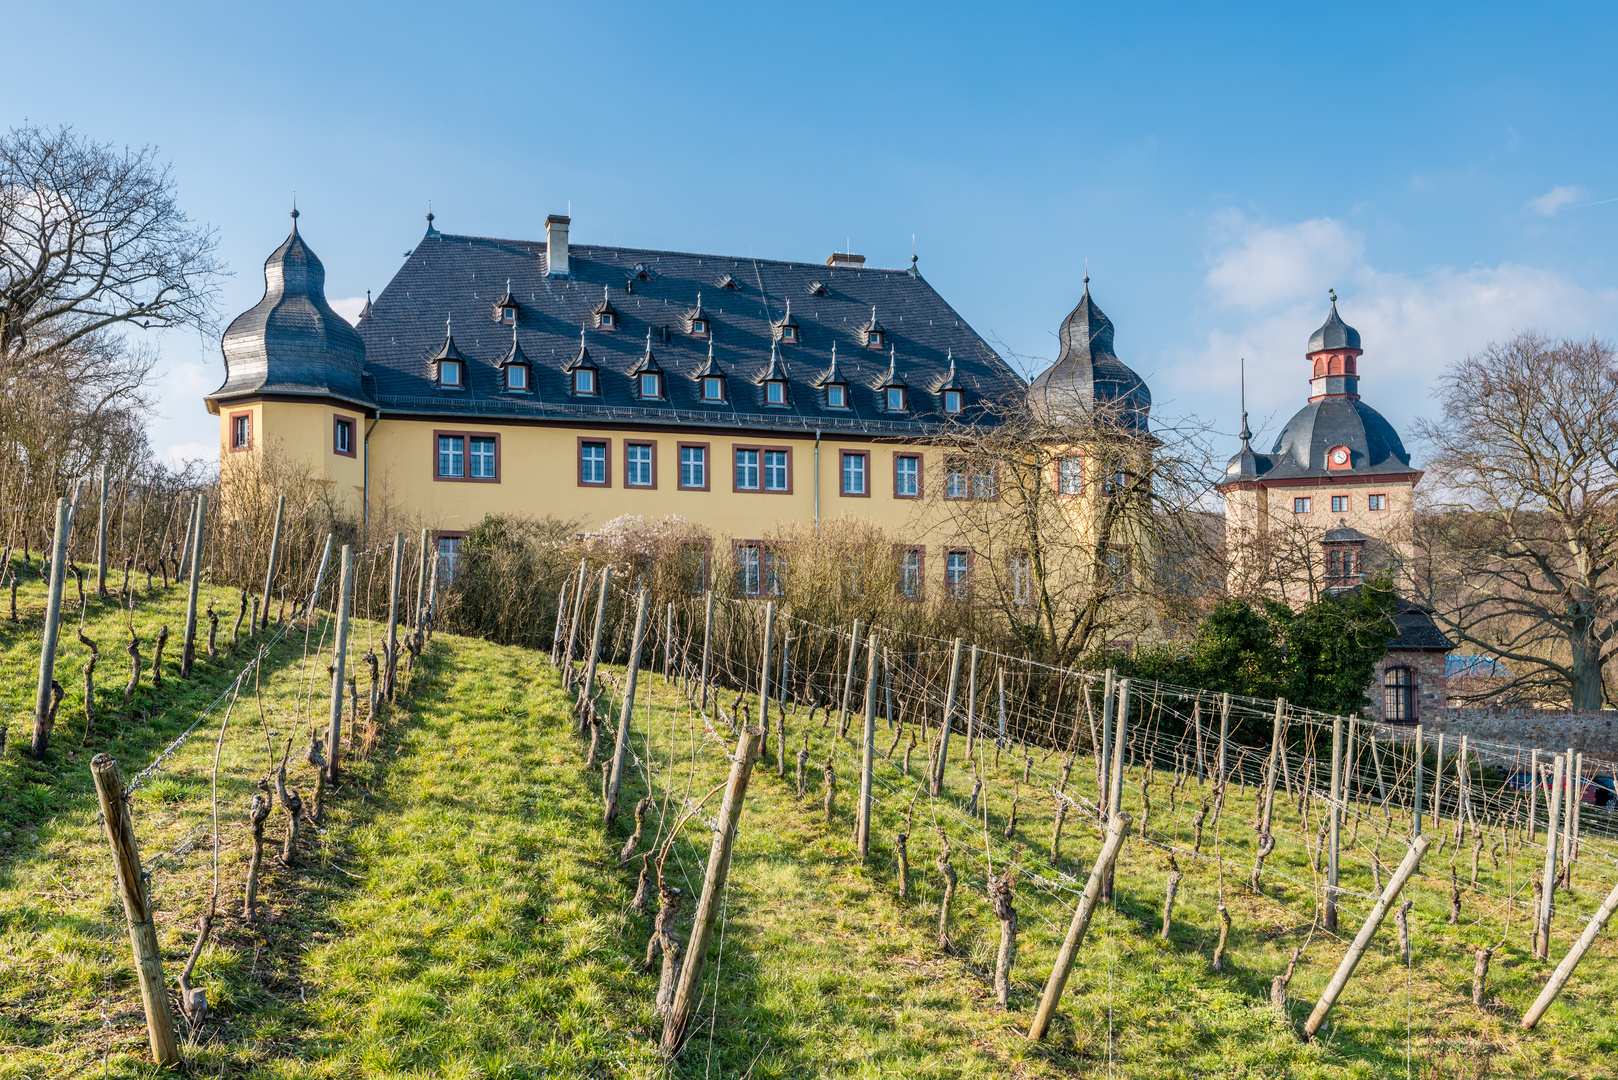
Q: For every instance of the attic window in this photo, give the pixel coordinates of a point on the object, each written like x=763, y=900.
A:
x=727, y=282
x=609, y=320
x=713, y=388
x=775, y=393
x=873, y=338
x=952, y=401
x=894, y=399
x=450, y=374
x=699, y=327
x=508, y=314
x=651, y=386
x=517, y=378
x=836, y=395
x=817, y=289
x=789, y=334
x=584, y=381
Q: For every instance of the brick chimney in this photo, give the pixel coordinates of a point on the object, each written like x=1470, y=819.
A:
x=556, y=245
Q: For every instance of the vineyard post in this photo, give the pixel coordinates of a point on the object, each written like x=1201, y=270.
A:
x=563, y=595
x=53, y=622
x=848, y=678
x=783, y=683
x=949, y=711
x=275, y=554
x=421, y=581
x=101, y=532
x=1224, y=736
x=1362, y=940
x=1542, y=917
x=394, y=580
x=1533, y=795
x=595, y=640
x=764, y=675
x=137, y=908
x=1438, y=785
x=687, y=993
x=1076, y=929
x=1336, y=822
x=1570, y=799
x=1273, y=771
x=868, y=749
x=620, y=747
x=707, y=642
x=668, y=643
x=1578, y=808
x=185, y=545
x=1104, y=759
x=1564, y=970
x=971, y=701
x=432, y=597
x=1115, y=786
x=339, y=661
x=194, y=583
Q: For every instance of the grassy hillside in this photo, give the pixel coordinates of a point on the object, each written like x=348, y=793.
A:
x=461, y=912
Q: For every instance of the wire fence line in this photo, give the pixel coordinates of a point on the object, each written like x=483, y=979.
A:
x=1038, y=731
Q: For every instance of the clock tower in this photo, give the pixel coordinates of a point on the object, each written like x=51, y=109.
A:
x=1333, y=500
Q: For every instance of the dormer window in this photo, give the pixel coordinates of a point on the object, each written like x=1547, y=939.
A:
x=584, y=381
x=607, y=320
x=451, y=374
x=727, y=282
x=952, y=401
x=606, y=315
x=775, y=393
x=874, y=339
x=448, y=365
x=785, y=329
x=699, y=327
x=508, y=315
x=837, y=396
x=517, y=378
x=874, y=335
x=817, y=289
x=696, y=320
x=505, y=308
x=789, y=334
x=894, y=400
x=713, y=388
x=651, y=385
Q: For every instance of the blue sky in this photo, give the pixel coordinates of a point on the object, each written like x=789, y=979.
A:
x=1442, y=166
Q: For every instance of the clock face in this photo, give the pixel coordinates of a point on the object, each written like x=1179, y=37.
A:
x=1339, y=457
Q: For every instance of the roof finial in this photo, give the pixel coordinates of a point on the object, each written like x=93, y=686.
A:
x=1086, y=277
x=294, y=211
x=1333, y=294
x=1246, y=435
x=447, y=319
x=648, y=341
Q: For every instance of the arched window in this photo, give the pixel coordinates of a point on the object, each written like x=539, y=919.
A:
x=1398, y=696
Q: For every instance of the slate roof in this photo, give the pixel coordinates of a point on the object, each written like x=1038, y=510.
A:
x=1088, y=373
x=1416, y=629
x=291, y=341
x=1334, y=333
x=460, y=276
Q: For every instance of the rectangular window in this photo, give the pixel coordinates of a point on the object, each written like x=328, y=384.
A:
x=952, y=401
x=1116, y=571
x=836, y=396
x=1398, y=696
x=958, y=574
x=1117, y=482
x=896, y=399
x=713, y=388
x=955, y=478
x=449, y=373
x=983, y=484
x=1022, y=579
x=776, y=477
x=749, y=577
x=649, y=386
x=449, y=557
x=1069, y=476
x=906, y=476
x=1303, y=505
x=853, y=473
x=1378, y=502
x=694, y=559
x=592, y=463
x=910, y=578
x=584, y=381
x=342, y=436
x=241, y=431
x=482, y=458
x=775, y=393
x=1339, y=504
x=774, y=572
x=517, y=377
x=746, y=470
x=639, y=465
x=694, y=466
x=451, y=459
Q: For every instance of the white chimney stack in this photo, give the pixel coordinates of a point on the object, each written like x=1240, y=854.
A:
x=556, y=245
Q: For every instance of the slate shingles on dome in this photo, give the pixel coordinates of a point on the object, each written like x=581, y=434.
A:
x=1334, y=333
x=1088, y=374
x=462, y=274
x=291, y=342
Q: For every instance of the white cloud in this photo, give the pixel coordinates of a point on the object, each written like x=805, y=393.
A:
x=1263, y=265
x=1413, y=325
x=1558, y=198
x=349, y=307
x=178, y=454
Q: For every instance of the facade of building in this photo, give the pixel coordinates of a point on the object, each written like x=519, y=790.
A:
x=1333, y=500
x=737, y=393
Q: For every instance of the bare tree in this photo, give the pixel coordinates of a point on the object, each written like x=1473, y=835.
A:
x=1081, y=527
x=1517, y=554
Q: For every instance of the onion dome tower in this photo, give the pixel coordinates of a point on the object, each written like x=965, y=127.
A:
x=1336, y=435
x=1089, y=376
x=291, y=342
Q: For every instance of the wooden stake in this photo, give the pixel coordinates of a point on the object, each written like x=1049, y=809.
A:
x=1533, y=796
x=677, y=1022
x=848, y=679
x=1116, y=828
x=1224, y=736
x=620, y=748
x=137, y=907
x=101, y=533
x=1274, y=769
x=764, y=675
x=578, y=611
x=1336, y=822
x=668, y=644
x=1421, y=768
x=587, y=699
x=949, y=712
x=971, y=701
x=395, y=579
x=188, y=654
x=421, y=582
x=275, y=554
x=339, y=662
x=1547, y=896
x=868, y=749
x=44, y=714
x=1564, y=970
x=1362, y=940
x=707, y=638
x=1104, y=759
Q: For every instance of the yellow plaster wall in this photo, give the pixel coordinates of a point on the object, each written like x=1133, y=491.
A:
x=302, y=432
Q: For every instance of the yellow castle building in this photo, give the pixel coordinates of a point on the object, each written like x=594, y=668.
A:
x=737, y=393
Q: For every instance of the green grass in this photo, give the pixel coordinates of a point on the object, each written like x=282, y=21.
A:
x=461, y=912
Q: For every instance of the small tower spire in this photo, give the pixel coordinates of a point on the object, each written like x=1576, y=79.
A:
x=1246, y=434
